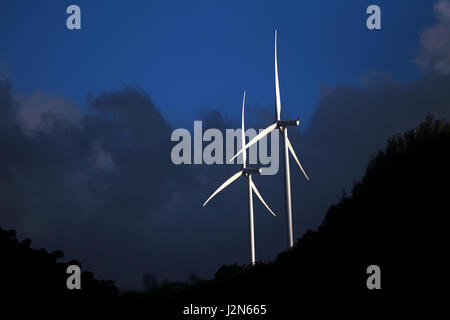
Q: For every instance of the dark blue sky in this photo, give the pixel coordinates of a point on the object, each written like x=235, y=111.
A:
x=191, y=56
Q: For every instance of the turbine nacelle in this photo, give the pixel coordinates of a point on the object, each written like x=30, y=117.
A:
x=280, y=124
x=288, y=123
x=249, y=171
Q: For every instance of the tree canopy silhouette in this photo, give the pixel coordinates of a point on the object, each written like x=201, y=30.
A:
x=393, y=218
x=25, y=271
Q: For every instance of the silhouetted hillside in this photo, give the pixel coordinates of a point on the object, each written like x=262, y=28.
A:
x=393, y=218
x=27, y=272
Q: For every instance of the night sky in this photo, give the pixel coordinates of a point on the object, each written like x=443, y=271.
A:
x=86, y=117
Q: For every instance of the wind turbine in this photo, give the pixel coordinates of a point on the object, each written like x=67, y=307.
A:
x=246, y=172
x=282, y=126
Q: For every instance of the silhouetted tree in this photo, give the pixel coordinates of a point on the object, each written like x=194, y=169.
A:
x=393, y=218
x=150, y=282
x=25, y=271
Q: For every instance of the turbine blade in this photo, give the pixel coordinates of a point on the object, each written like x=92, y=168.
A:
x=258, y=137
x=224, y=185
x=277, y=84
x=291, y=149
x=261, y=198
x=244, y=155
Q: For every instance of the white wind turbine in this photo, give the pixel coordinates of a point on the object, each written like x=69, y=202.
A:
x=282, y=126
x=247, y=172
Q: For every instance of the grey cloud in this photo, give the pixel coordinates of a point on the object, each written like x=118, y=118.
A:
x=374, y=79
x=348, y=127
x=98, y=185
x=435, y=42
x=39, y=112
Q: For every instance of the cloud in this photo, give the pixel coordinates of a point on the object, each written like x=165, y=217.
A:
x=374, y=79
x=103, y=159
x=4, y=75
x=435, y=42
x=100, y=185
x=41, y=112
x=348, y=127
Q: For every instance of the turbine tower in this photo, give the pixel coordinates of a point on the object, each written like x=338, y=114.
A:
x=282, y=126
x=247, y=172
